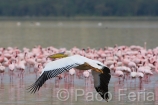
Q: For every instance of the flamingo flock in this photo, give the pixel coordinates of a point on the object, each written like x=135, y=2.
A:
x=125, y=62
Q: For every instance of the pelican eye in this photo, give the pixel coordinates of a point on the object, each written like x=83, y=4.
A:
x=98, y=64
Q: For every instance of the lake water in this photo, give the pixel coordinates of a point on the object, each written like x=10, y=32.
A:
x=13, y=91
x=82, y=34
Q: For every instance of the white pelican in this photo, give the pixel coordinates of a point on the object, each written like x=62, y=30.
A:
x=100, y=72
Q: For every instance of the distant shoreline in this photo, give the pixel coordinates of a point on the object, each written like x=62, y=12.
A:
x=79, y=18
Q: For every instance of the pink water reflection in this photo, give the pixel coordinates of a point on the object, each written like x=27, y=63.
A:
x=14, y=90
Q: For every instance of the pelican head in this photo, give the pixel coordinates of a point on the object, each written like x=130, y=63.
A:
x=61, y=55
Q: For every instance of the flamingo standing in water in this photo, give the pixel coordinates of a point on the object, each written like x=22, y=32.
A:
x=140, y=75
x=133, y=75
x=11, y=69
x=119, y=74
x=1, y=58
x=86, y=74
x=21, y=67
x=72, y=73
x=2, y=69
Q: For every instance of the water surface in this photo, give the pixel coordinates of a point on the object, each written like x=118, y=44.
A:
x=82, y=34
x=77, y=91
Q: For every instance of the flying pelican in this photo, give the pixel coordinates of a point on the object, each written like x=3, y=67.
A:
x=100, y=72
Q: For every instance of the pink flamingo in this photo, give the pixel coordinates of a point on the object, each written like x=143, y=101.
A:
x=119, y=74
x=11, y=69
x=133, y=75
x=1, y=58
x=21, y=67
x=86, y=74
x=140, y=75
x=2, y=69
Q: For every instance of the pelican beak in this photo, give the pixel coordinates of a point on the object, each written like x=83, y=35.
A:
x=99, y=70
x=58, y=55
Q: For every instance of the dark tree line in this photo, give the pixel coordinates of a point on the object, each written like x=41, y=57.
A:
x=69, y=8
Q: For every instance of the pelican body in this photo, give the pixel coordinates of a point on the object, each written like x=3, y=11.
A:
x=100, y=72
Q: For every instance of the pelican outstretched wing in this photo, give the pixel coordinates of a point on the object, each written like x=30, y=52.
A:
x=54, y=68
x=101, y=82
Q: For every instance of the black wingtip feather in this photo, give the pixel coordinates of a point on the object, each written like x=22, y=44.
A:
x=39, y=82
x=104, y=81
x=31, y=89
x=104, y=94
x=47, y=75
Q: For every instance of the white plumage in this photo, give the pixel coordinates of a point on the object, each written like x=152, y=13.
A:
x=74, y=60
